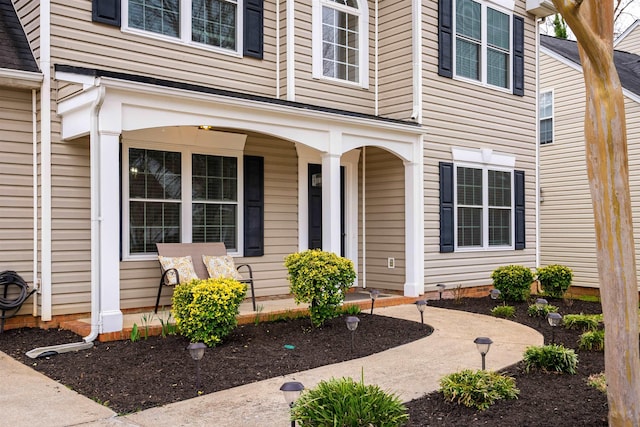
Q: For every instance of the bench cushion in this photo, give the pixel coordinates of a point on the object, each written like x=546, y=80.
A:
x=183, y=264
x=221, y=266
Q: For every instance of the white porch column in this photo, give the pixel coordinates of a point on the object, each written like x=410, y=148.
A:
x=331, y=203
x=414, y=227
x=109, y=232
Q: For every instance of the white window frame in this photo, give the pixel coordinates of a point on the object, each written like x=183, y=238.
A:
x=502, y=7
x=551, y=116
x=186, y=28
x=186, y=152
x=363, y=41
x=484, y=159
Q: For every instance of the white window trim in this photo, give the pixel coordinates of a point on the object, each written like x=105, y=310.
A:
x=363, y=42
x=540, y=118
x=185, y=29
x=485, y=159
x=208, y=143
x=483, y=49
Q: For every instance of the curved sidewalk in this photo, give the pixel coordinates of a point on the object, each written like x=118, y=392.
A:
x=411, y=371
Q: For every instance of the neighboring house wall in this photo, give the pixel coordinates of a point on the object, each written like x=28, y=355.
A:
x=467, y=115
x=629, y=41
x=28, y=12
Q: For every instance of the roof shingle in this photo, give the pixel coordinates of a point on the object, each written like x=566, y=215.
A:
x=15, y=52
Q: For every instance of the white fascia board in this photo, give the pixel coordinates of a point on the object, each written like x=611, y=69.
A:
x=82, y=79
x=20, y=79
x=482, y=156
x=76, y=113
x=507, y=4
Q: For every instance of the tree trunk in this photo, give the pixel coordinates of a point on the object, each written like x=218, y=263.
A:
x=607, y=166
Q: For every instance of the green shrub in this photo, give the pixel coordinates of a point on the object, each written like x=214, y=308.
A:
x=555, y=279
x=320, y=279
x=534, y=311
x=513, y=282
x=478, y=389
x=592, y=340
x=586, y=322
x=504, y=311
x=206, y=310
x=550, y=358
x=344, y=402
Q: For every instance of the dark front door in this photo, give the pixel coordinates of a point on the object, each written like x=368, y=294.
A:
x=315, y=208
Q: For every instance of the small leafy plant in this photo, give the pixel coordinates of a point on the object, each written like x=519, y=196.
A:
x=598, y=381
x=586, y=322
x=534, y=311
x=550, y=358
x=592, y=340
x=320, y=279
x=146, y=320
x=503, y=311
x=513, y=282
x=344, y=402
x=478, y=389
x=166, y=326
x=555, y=279
x=351, y=309
x=135, y=333
x=206, y=310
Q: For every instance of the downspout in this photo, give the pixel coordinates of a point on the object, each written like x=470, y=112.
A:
x=537, y=140
x=34, y=132
x=45, y=157
x=278, y=49
x=376, y=94
x=96, y=211
x=291, y=71
x=416, y=24
x=364, y=217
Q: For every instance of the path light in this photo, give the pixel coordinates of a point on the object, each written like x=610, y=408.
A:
x=541, y=303
x=483, y=344
x=374, y=294
x=554, y=320
x=196, y=351
x=352, y=325
x=441, y=287
x=421, y=304
x=291, y=392
x=494, y=294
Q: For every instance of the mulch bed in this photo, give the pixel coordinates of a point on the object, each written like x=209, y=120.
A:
x=130, y=376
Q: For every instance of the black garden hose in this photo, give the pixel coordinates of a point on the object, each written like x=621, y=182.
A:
x=9, y=278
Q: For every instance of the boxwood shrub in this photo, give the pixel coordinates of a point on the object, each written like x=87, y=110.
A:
x=513, y=282
x=555, y=279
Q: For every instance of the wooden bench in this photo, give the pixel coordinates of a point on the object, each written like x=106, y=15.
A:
x=196, y=250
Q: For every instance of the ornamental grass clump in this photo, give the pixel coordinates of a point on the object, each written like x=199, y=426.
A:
x=503, y=311
x=550, y=358
x=344, y=402
x=206, y=310
x=478, y=389
x=555, y=279
x=586, y=322
x=513, y=282
x=534, y=311
x=592, y=340
x=320, y=279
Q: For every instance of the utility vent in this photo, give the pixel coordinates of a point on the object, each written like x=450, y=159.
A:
x=541, y=8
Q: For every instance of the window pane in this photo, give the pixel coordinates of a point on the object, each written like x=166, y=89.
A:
x=151, y=223
x=546, y=131
x=469, y=186
x=497, y=68
x=154, y=174
x=499, y=227
x=497, y=29
x=340, y=49
x=162, y=17
x=546, y=104
x=468, y=59
x=214, y=23
x=215, y=223
x=214, y=178
x=499, y=187
x=468, y=19
x=469, y=227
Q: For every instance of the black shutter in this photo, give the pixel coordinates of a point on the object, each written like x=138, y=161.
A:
x=253, y=28
x=253, y=206
x=106, y=12
x=446, y=207
x=520, y=241
x=518, y=55
x=445, y=38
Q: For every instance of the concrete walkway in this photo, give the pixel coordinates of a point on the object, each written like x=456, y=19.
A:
x=412, y=370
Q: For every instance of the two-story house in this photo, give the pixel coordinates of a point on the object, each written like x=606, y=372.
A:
x=567, y=232
x=401, y=135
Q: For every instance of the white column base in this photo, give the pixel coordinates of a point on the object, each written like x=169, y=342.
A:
x=413, y=289
x=111, y=321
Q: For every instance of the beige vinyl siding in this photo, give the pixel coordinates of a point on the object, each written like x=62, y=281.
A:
x=462, y=114
x=395, y=60
x=139, y=279
x=16, y=188
x=331, y=94
x=631, y=43
x=385, y=225
x=29, y=13
x=76, y=40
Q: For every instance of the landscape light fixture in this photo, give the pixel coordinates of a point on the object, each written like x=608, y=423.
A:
x=554, y=320
x=352, y=325
x=483, y=344
x=494, y=294
x=441, y=287
x=196, y=351
x=291, y=390
x=421, y=304
x=541, y=303
x=374, y=294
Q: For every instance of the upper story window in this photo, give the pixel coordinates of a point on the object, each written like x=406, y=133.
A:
x=213, y=23
x=546, y=117
x=483, y=50
x=340, y=47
